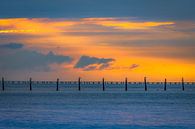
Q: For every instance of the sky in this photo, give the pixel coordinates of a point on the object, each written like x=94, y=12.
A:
x=92, y=39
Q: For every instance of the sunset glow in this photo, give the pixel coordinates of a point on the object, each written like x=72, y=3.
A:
x=138, y=48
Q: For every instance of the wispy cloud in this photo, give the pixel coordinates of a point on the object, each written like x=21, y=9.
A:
x=123, y=23
x=47, y=26
x=35, y=26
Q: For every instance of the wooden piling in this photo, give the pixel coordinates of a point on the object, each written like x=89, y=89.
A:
x=126, y=88
x=3, y=84
x=182, y=82
x=79, y=84
x=145, y=84
x=165, y=85
x=103, y=85
x=57, y=83
x=30, y=83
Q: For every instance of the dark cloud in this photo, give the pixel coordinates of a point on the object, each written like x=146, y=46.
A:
x=93, y=63
x=12, y=46
x=133, y=66
x=30, y=60
x=90, y=68
x=153, y=9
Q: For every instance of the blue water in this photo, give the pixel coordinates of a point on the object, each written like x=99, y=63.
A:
x=91, y=109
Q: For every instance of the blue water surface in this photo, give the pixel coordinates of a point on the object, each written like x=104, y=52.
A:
x=96, y=109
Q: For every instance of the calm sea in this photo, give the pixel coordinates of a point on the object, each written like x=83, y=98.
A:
x=45, y=108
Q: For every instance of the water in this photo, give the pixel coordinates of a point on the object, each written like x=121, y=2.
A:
x=91, y=108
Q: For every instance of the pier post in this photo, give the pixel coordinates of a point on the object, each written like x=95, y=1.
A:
x=145, y=84
x=165, y=85
x=57, y=83
x=182, y=82
x=30, y=83
x=3, y=84
x=103, y=85
x=126, y=88
x=79, y=84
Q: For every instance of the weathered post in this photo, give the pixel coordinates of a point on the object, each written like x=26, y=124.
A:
x=79, y=84
x=30, y=83
x=3, y=84
x=57, y=83
x=182, y=82
x=126, y=88
x=145, y=83
x=165, y=85
x=103, y=85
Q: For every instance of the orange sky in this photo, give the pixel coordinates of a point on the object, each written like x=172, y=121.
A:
x=157, y=49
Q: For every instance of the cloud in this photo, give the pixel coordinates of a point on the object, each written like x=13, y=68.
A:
x=88, y=63
x=133, y=66
x=164, y=9
x=31, y=60
x=34, y=26
x=139, y=37
x=12, y=46
x=128, y=24
x=45, y=26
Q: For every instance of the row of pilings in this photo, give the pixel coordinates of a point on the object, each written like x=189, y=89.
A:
x=103, y=84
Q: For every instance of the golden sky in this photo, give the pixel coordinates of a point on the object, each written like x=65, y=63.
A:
x=113, y=48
